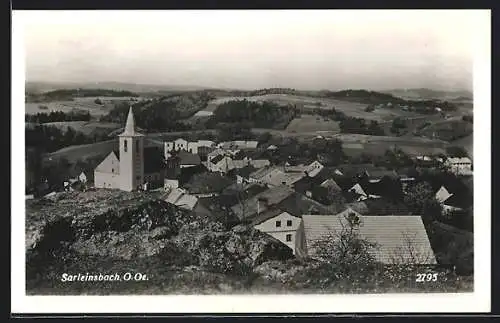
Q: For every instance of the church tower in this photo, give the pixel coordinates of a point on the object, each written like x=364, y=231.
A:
x=131, y=156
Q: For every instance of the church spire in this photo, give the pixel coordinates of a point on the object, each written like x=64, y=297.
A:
x=130, y=125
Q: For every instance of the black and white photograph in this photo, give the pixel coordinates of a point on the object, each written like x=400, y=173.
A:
x=252, y=153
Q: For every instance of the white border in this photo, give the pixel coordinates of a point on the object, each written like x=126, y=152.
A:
x=478, y=301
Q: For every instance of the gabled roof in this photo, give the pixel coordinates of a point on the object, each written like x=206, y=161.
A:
x=380, y=172
x=268, y=198
x=188, y=158
x=261, y=172
x=269, y=214
x=217, y=159
x=398, y=239
x=111, y=162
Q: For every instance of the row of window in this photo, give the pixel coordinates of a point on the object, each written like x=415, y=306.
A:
x=288, y=223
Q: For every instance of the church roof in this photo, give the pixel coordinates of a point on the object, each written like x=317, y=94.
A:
x=130, y=125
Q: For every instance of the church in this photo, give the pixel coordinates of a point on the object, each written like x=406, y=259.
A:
x=132, y=166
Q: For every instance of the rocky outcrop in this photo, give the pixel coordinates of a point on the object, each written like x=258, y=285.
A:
x=120, y=225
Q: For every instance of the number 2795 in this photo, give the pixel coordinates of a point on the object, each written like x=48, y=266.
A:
x=421, y=278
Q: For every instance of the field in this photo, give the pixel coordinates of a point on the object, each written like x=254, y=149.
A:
x=355, y=145
x=466, y=143
x=308, y=123
x=352, y=109
x=84, y=152
x=86, y=103
x=86, y=127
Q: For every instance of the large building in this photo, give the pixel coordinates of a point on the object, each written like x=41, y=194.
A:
x=131, y=166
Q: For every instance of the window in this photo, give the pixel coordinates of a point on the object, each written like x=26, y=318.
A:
x=288, y=237
x=112, y=170
x=125, y=145
x=289, y=223
x=278, y=224
x=137, y=146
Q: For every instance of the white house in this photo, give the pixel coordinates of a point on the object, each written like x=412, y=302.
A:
x=459, y=165
x=82, y=177
x=314, y=168
x=280, y=225
x=442, y=194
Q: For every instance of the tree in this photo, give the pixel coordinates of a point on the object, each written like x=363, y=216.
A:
x=345, y=251
x=98, y=101
x=421, y=201
x=456, y=151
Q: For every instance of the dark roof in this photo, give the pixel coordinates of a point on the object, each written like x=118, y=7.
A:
x=207, y=183
x=153, y=160
x=381, y=172
x=217, y=159
x=245, y=171
x=189, y=158
x=188, y=172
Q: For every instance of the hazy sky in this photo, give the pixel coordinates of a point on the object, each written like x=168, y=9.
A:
x=253, y=49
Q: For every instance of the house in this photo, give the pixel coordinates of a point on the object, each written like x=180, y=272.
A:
x=278, y=177
x=313, y=169
x=242, y=174
x=207, y=184
x=452, y=201
x=82, y=177
x=181, y=199
x=377, y=174
x=261, y=202
x=132, y=165
x=259, y=174
x=442, y=194
x=459, y=166
x=238, y=144
x=280, y=225
x=187, y=159
x=396, y=239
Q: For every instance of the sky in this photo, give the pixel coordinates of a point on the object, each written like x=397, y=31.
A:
x=308, y=49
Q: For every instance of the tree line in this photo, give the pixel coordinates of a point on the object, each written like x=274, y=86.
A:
x=58, y=116
x=51, y=138
x=256, y=114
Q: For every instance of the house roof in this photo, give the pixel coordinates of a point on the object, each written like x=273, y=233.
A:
x=261, y=172
x=188, y=158
x=457, y=160
x=398, y=239
x=244, y=171
x=217, y=159
x=269, y=214
x=359, y=207
x=278, y=177
x=382, y=172
x=207, y=183
x=110, y=162
x=271, y=197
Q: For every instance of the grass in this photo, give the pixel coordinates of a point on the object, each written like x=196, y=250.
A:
x=86, y=127
x=308, y=123
x=73, y=153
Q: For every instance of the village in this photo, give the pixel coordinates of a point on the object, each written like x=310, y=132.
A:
x=297, y=204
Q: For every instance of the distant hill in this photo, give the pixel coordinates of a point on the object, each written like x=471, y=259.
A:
x=37, y=87
x=428, y=94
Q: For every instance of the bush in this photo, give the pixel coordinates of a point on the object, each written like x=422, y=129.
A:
x=370, y=108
